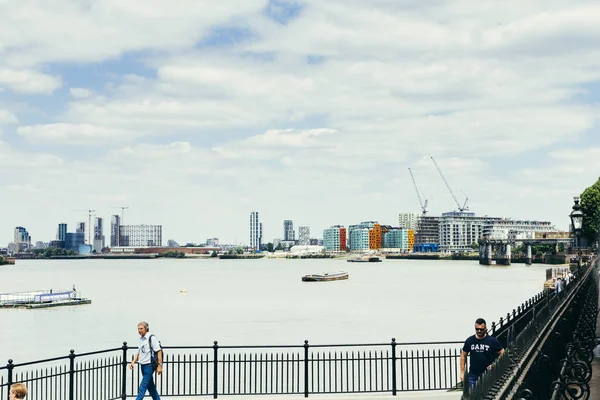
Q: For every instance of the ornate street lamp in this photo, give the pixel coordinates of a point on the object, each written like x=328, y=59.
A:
x=577, y=224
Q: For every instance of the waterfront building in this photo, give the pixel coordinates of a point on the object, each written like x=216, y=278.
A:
x=459, y=231
x=57, y=244
x=508, y=229
x=289, y=235
x=61, y=233
x=319, y=242
x=212, y=242
x=80, y=227
x=99, y=242
x=408, y=220
x=22, y=239
x=172, y=243
x=359, y=239
x=427, y=235
x=396, y=239
x=115, y=223
x=140, y=235
x=41, y=245
x=256, y=231
x=73, y=240
x=411, y=240
x=334, y=239
x=304, y=235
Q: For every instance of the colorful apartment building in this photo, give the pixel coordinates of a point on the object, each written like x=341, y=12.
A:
x=334, y=238
x=411, y=240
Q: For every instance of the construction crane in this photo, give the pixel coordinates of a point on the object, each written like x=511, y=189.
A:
x=89, y=241
x=123, y=208
x=462, y=208
x=423, y=205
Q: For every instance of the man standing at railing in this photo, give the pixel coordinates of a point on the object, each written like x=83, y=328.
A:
x=482, y=349
x=145, y=349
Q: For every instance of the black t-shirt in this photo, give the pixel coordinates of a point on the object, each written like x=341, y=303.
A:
x=482, y=352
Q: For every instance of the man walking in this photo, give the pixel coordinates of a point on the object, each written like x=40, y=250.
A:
x=482, y=350
x=148, y=344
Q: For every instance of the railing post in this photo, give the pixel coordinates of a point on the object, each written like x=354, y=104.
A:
x=71, y=374
x=9, y=367
x=306, y=368
x=393, y=366
x=216, y=370
x=124, y=373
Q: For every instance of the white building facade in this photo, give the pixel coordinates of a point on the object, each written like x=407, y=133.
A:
x=256, y=231
x=459, y=231
x=408, y=220
x=508, y=229
x=304, y=235
x=140, y=235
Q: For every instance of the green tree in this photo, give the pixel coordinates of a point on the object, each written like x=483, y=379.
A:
x=590, y=204
x=239, y=250
x=270, y=247
x=214, y=253
x=279, y=246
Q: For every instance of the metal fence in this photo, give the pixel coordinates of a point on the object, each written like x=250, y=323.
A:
x=244, y=370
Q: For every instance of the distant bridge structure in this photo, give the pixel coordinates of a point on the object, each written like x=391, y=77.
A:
x=499, y=251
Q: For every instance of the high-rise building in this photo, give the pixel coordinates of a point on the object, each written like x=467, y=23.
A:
x=99, y=242
x=427, y=235
x=460, y=230
x=140, y=235
x=256, y=231
x=115, y=223
x=74, y=240
x=22, y=239
x=288, y=231
x=334, y=238
x=304, y=235
x=61, y=233
x=408, y=220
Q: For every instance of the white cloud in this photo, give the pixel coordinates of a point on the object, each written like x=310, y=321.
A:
x=28, y=81
x=491, y=90
x=7, y=117
x=80, y=93
x=75, y=134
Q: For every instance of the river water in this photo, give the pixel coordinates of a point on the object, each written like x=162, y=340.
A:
x=256, y=302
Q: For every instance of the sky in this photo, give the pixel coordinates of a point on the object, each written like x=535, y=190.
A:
x=193, y=114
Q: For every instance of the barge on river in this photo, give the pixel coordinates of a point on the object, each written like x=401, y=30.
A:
x=326, y=276
x=42, y=299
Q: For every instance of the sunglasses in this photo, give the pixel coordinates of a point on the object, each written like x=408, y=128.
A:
x=480, y=329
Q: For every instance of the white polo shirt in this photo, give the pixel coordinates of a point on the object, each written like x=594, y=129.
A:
x=144, y=348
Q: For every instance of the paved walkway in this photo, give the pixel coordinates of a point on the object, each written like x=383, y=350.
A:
x=442, y=395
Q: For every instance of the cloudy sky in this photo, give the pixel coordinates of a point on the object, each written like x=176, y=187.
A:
x=194, y=113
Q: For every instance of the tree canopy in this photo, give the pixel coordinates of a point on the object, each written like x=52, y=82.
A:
x=590, y=203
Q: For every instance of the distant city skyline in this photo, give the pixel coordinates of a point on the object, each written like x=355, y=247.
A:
x=304, y=110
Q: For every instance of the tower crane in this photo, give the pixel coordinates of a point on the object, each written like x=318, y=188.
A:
x=423, y=205
x=462, y=208
x=123, y=208
x=89, y=228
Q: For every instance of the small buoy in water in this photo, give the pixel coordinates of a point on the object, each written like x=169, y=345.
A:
x=183, y=291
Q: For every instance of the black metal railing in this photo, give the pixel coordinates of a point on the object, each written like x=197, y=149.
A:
x=216, y=370
x=538, y=344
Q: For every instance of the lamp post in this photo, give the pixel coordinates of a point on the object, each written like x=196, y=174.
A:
x=577, y=224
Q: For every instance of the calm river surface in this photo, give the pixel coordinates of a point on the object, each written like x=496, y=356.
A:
x=252, y=302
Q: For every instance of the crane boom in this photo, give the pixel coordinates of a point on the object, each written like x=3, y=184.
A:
x=423, y=205
x=460, y=208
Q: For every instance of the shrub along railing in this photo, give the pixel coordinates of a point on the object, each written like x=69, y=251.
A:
x=244, y=370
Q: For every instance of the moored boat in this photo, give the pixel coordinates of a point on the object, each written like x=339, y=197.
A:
x=365, y=259
x=326, y=276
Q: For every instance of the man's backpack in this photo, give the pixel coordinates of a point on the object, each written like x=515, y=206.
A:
x=154, y=354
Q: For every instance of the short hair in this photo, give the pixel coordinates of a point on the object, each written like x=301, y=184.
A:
x=480, y=321
x=144, y=324
x=19, y=389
